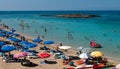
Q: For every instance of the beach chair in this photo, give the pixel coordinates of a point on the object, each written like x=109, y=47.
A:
x=27, y=63
x=52, y=52
x=44, y=48
x=71, y=63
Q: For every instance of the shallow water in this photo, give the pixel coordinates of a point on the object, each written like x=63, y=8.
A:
x=71, y=31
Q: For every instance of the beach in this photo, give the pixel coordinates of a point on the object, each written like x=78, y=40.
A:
x=17, y=65
x=57, y=32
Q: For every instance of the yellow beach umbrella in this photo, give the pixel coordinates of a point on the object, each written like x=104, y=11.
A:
x=96, y=54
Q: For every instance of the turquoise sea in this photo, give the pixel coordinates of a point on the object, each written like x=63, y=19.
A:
x=70, y=31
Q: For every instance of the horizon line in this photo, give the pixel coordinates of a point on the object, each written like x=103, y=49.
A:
x=59, y=10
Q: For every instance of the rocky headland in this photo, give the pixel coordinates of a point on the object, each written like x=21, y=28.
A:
x=73, y=15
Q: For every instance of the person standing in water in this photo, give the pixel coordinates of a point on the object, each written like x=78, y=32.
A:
x=61, y=44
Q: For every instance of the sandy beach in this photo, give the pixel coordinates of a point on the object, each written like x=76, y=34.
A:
x=58, y=65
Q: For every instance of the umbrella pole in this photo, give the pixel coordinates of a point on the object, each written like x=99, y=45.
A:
x=8, y=53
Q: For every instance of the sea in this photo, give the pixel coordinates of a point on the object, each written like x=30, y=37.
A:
x=74, y=32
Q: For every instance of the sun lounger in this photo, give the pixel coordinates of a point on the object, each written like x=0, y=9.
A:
x=83, y=66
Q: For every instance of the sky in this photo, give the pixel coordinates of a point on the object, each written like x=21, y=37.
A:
x=59, y=5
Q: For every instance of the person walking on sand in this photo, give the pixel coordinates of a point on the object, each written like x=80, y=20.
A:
x=57, y=48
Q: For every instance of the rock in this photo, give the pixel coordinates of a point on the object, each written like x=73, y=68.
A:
x=73, y=15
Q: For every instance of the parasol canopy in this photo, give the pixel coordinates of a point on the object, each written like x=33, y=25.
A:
x=19, y=55
x=30, y=45
x=44, y=55
x=2, y=43
x=13, y=39
x=7, y=48
x=49, y=42
x=96, y=54
x=65, y=47
x=84, y=56
x=23, y=42
x=2, y=35
x=37, y=40
x=117, y=66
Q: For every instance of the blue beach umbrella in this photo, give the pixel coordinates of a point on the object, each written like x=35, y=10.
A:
x=23, y=42
x=13, y=39
x=2, y=43
x=37, y=40
x=30, y=45
x=2, y=35
x=49, y=42
x=8, y=48
x=7, y=32
x=14, y=34
x=2, y=31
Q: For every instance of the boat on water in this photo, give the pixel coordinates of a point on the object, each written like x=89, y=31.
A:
x=93, y=44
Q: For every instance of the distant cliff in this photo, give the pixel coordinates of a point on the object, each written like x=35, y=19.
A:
x=73, y=15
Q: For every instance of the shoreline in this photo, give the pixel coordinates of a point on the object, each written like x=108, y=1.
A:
x=72, y=49
x=71, y=52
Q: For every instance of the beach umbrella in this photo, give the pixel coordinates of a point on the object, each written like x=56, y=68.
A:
x=30, y=45
x=14, y=34
x=37, y=40
x=2, y=43
x=117, y=66
x=13, y=39
x=84, y=56
x=23, y=42
x=44, y=55
x=2, y=35
x=96, y=54
x=2, y=31
x=7, y=48
x=65, y=47
x=20, y=54
x=49, y=42
x=7, y=32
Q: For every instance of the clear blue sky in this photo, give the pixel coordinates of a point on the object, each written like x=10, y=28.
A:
x=59, y=5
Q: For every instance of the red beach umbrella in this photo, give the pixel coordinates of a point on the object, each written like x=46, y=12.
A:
x=44, y=55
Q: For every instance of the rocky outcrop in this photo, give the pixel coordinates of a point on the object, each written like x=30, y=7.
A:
x=73, y=15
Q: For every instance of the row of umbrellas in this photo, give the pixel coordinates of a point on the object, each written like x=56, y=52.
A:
x=24, y=54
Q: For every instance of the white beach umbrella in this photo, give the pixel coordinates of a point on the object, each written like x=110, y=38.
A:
x=117, y=66
x=65, y=47
x=83, y=55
